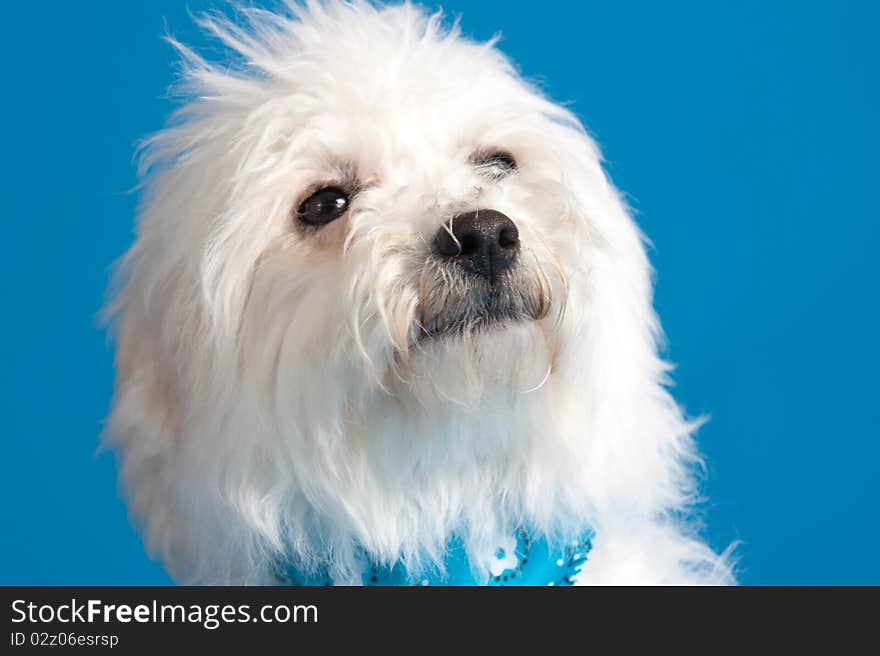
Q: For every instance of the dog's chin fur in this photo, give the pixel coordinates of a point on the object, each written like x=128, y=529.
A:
x=280, y=397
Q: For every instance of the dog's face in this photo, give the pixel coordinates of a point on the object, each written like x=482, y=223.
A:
x=408, y=225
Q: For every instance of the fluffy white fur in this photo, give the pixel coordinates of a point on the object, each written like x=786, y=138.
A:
x=272, y=403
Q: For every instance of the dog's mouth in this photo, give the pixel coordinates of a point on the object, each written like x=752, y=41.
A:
x=454, y=305
x=491, y=311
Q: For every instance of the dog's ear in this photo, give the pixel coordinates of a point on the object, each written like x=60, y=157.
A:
x=637, y=444
x=178, y=298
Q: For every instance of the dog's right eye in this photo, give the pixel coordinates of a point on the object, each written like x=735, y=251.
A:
x=323, y=206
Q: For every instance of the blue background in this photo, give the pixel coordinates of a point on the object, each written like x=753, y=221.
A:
x=745, y=132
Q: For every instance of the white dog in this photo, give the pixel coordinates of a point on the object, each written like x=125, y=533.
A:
x=383, y=305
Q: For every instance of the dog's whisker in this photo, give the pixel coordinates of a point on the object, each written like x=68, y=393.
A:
x=542, y=383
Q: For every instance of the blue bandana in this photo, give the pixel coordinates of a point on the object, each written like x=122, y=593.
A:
x=519, y=561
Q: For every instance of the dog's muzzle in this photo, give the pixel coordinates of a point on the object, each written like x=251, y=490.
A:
x=473, y=279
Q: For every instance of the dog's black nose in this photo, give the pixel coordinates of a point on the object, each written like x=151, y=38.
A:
x=484, y=242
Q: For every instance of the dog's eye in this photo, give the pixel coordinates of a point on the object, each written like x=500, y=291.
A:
x=323, y=206
x=498, y=163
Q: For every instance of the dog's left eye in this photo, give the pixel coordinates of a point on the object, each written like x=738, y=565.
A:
x=323, y=206
x=497, y=163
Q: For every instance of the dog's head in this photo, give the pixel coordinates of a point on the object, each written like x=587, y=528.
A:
x=392, y=205
x=380, y=278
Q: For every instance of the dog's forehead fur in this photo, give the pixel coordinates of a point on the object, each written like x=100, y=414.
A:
x=271, y=402
x=394, y=64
